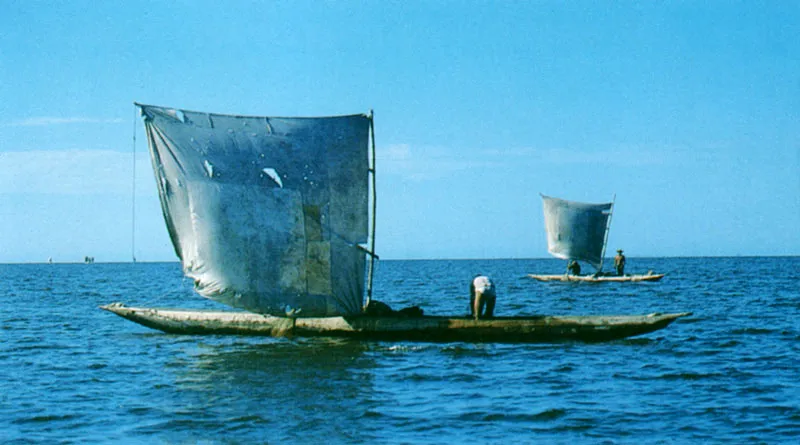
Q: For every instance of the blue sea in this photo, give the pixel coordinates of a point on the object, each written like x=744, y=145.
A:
x=72, y=373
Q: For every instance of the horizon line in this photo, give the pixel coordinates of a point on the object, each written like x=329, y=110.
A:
x=420, y=259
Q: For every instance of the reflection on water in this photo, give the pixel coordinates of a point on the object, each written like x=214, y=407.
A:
x=297, y=388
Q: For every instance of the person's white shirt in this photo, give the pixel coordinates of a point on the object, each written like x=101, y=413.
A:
x=482, y=284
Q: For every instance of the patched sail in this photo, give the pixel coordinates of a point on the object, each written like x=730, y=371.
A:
x=266, y=213
x=576, y=230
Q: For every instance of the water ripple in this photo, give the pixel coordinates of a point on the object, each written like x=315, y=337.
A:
x=75, y=374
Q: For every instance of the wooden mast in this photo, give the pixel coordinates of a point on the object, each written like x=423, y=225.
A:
x=374, y=213
x=608, y=229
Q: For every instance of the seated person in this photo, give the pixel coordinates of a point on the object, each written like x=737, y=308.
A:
x=574, y=268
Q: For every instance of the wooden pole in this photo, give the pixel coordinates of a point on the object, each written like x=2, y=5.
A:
x=608, y=229
x=374, y=212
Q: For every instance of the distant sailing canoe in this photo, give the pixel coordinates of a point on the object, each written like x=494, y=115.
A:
x=535, y=329
x=579, y=231
x=599, y=279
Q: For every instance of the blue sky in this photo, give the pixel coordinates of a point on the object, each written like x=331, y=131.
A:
x=687, y=111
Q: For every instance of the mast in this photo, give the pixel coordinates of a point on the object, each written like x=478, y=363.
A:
x=374, y=213
x=608, y=229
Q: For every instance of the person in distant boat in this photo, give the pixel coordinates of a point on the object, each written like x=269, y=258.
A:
x=619, y=263
x=574, y=267
x=482, y=297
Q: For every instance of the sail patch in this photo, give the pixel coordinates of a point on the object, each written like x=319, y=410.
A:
x=272, y=174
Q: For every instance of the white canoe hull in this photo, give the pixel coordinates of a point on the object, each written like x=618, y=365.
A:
x=598, y=279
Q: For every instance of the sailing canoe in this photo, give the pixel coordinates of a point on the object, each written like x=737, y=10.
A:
x=533, y=329
x=271, y=215
x=579, y=231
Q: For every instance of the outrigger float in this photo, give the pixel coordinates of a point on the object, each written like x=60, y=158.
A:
x=536, y=329
x=271, y=215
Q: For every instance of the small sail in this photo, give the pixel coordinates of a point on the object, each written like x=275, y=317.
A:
x=266, y=214
x=576, y=230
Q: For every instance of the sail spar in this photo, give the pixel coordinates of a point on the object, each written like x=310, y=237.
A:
x=266, y=214
x=576, y=230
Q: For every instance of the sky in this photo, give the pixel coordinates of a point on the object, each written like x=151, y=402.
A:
x=686, y=112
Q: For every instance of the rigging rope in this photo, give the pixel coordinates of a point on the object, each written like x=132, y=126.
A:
x=133, y=190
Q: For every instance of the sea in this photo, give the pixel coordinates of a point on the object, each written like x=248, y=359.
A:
x=729, y=373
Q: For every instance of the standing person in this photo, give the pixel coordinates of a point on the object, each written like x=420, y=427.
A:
x=481, y=294
x=619, y=263
x=574, y=267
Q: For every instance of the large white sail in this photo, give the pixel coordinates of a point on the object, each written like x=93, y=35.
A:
x=576, y=230
x=266, y=213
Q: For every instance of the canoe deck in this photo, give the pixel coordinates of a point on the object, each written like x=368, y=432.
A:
x=599, y=279
x=534, y=329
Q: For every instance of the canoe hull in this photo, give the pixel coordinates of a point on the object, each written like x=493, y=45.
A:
x=599, y=279
x=535, y=329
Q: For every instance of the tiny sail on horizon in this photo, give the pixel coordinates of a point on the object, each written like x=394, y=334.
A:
x=577, y=230
x=266, y=214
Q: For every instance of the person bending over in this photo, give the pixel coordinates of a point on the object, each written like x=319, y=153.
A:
x=482, y=297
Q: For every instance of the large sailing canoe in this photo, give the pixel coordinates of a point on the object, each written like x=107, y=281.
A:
x=272, y=215
x=536, y=329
